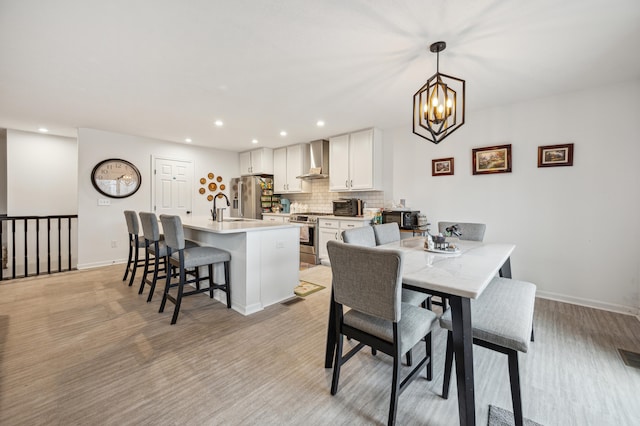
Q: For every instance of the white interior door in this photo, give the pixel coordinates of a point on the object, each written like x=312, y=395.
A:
x=173, y=186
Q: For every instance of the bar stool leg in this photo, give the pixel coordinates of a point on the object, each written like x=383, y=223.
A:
x=211, y=284
x=227, y=282
x=126, y=271
x=183, y=278
x=145, y=271
x=135, y=261
x=156, y=266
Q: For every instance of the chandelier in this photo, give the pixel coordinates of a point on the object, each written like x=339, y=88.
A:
x=438, y=107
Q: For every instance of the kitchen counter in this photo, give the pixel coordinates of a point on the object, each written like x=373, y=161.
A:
x=277, y=214
x=264, y=259
x=232, y=225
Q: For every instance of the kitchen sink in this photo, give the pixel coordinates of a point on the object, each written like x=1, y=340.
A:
x=236, y=219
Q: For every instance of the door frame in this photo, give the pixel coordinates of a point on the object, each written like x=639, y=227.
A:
x=153, y=173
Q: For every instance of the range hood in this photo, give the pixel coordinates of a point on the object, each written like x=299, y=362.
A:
x=319, y=165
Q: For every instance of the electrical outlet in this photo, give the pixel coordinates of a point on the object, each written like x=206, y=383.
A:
x=104, y=202
x=114, y=244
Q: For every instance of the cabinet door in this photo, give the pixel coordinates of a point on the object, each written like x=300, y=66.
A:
x=273, y=219
x=348, y=224
x=294, y=168
x=339, y=163
x=280, y=170
x=325, y=235
x=245, y=163
x=361, y=160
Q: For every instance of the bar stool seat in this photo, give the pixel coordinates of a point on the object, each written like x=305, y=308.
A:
x=183, y=258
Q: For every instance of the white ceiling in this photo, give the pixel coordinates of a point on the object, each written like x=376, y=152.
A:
x=167, y=69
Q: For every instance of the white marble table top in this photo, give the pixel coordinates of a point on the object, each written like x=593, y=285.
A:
x=465, y=274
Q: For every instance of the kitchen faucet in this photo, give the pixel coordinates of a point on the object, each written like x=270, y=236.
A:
x=214, y=214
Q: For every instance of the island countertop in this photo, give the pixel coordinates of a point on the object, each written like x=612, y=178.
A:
x=233, y=225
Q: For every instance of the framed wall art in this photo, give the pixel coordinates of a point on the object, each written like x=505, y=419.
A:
x=442, y=167
x=555, y=155
x=492, y=159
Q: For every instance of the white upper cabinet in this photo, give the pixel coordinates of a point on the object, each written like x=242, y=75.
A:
x=256, y=162
x=289, y=162
x=355, y=161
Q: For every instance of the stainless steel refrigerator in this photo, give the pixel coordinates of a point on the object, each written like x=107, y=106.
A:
x=250, y=196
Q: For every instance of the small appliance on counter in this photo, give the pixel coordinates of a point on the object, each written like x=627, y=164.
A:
x=406, y=219
x=348, y=207
x=286, y=205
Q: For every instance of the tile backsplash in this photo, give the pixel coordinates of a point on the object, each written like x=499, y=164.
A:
x=319, y=199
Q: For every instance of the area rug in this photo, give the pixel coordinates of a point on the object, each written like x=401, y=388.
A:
x=305, y=289
x=501, y=417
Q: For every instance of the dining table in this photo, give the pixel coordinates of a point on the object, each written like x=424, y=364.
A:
x=458, y=276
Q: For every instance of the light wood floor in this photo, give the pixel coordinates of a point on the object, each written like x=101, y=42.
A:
x=82, y=348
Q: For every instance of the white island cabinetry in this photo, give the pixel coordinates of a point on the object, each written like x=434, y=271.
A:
x=264, y=258
x=331, y=227
x=355, y=161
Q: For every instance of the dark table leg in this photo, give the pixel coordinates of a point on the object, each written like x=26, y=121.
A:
x=331, y=336
x=505, y=269
x=463, y=349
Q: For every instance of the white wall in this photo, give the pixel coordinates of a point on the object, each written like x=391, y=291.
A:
x=99, y=225
x=577, y=229
x=41, y=174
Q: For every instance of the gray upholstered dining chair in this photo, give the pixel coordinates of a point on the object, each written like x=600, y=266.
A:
x=371, y=236
x=135, y=244
x=501, y=320
x=388, y=233
x=468, y=232
x=369, y=281
x=183, y=257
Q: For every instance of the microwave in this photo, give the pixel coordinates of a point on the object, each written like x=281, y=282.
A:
x=348, y=207
x=406, y=219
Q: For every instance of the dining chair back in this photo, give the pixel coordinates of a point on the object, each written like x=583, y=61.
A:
x=362, y=236
x=369, y=281
x=468, y=231
x=387, y=233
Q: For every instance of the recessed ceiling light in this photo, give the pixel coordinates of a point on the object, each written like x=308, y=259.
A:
x=43, y=130
x=320, y=123
x=218, y=123
x=283, y=133
x=254, y=141
x=187, y=140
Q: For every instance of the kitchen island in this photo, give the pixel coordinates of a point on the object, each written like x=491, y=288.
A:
x=264, y=258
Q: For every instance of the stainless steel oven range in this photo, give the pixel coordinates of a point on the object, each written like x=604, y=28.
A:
x=308, y=235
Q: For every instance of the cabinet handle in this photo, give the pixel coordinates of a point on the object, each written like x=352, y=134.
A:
x=335, y=235
x=346, y=183
x=351, y=184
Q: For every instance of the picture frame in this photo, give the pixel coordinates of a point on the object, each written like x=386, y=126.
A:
x=555, y=155
x=442, y=167
x=492, y=159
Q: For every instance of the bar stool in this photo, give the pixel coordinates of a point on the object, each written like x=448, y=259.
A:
x=156, y=252
x=184, y=258
x=134, y=245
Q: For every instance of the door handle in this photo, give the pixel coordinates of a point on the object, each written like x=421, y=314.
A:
x=188, y=211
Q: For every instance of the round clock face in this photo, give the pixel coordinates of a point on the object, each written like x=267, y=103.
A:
x=116, y=178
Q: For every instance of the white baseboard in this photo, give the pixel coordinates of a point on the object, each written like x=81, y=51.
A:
x=82, y=266
x=621, y=309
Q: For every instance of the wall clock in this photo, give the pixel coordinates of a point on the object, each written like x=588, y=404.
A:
x=116, y=178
